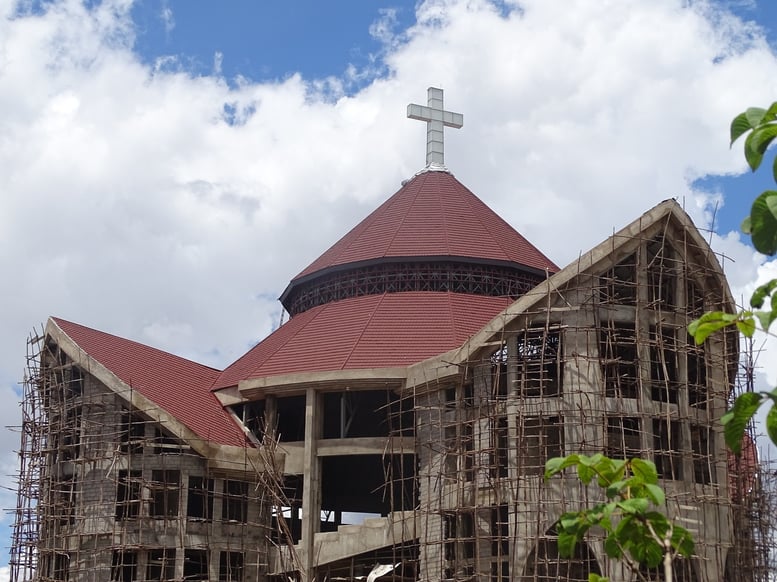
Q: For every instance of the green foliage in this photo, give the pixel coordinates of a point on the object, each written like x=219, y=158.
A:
x=760, y=127
x=633, y=531
x=712, y=321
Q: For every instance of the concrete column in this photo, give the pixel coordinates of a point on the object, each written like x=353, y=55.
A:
x=311, y=490
x=271, y=416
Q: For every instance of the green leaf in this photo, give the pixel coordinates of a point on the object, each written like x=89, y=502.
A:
x=612, y=548
x=739, y=125
x=774, y=171
x=586, y=467
x=585, y=473
x=700, y=329
x=649, y=553
x=755, y=116
x=771, y=424
x=682, y=541
x=553, y=466
x=655, y=493
x=764, y=318
x=736, y=420
x=761, y=293
x=746, y=326
x=646, y=470
x=752, y=155
x=771, y=113
x=570, y=521
x=558, y=464
x=566, y=544
x=758, y=142
x=763, y=222
x=772, y=395
x=635, y=505
x=596, y=578
x=745, y=226
x=615, y=488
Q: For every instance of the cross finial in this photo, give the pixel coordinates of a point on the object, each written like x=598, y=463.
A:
x=436, y=119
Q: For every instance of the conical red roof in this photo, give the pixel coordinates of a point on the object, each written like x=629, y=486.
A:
x=432, y=215
x=414, y=279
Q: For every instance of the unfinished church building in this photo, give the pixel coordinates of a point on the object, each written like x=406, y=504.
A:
x=397, y=426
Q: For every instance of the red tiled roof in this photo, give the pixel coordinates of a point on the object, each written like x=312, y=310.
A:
x=373, y=331
x=432, y=215
x=179, y=386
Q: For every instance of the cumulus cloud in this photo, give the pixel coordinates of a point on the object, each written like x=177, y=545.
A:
x=171, y=208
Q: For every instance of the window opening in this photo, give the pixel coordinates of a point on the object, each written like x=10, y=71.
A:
x=618, y=285
x=499, y=388
x=661, y=272
x=701, y=445
x=161, y=564
x=500, y=544
x=663, y=366
x=195, y=565
x=694, y=299
x=165, y=492
x=698, y=394
x=459, y=543
x=291, y=418
x=499, y=447
x=231, y=567
x=620, y=364
x=545, y=565
x=623, y=437
x=235, y=503
x=124, y=567
x=128, y=495
x=165, y=443
x=61, y=567
x=133, y=432
x=666, y=445
x=200, y=498
x=538, y=363
x=540, y=439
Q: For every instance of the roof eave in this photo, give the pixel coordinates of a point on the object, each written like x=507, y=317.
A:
x=290, y=384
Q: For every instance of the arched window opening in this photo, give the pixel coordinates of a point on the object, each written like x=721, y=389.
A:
x=545, y=565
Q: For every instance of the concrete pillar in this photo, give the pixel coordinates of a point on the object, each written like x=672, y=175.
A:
x=311, y=490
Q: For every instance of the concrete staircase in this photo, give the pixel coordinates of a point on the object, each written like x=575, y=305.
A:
x=350, y=540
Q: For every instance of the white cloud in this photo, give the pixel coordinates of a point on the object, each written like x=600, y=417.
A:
x=171, y=208
x=168, y=19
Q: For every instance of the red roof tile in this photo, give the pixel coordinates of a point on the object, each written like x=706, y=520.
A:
x=179, y=386
x=432, y=215
x=374, y=331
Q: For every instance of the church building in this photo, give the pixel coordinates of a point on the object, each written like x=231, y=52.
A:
x=396, y=427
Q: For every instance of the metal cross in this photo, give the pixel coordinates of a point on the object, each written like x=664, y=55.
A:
x=436, y=119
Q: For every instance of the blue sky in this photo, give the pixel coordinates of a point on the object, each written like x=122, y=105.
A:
x=167, y=167
x=266, y=41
